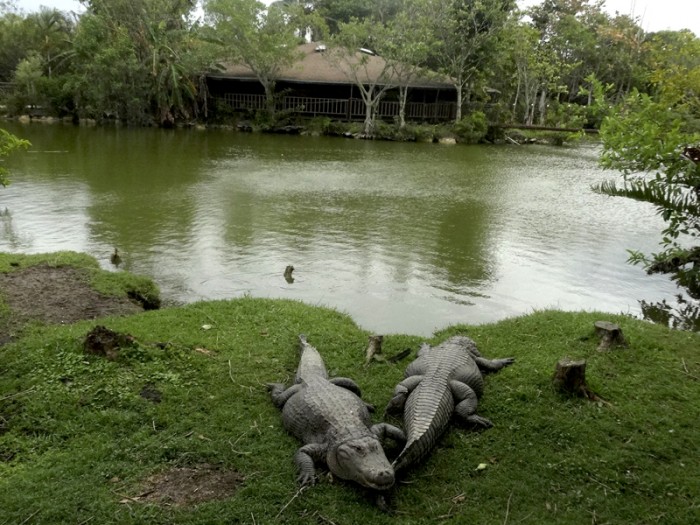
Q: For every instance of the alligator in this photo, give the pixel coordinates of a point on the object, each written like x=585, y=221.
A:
x=334, y=424
x=443, y=380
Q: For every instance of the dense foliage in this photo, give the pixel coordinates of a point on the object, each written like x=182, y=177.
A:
x=145, y=61
x=654, y=140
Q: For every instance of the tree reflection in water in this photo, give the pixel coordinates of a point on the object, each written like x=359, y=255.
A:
x=685, y=315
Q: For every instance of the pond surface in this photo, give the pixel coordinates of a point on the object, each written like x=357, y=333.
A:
x=406, y=238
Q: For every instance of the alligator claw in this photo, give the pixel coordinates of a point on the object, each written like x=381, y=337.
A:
x=306, y=480
x=480, y=421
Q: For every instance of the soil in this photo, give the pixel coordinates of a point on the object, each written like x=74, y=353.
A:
x=184, y=486
x=54, y=295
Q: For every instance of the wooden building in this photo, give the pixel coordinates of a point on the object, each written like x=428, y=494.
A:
x=317, y=85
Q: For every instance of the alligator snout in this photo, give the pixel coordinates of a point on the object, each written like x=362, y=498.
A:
x=380, y=479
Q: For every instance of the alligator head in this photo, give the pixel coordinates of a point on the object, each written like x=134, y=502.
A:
x=363, y=461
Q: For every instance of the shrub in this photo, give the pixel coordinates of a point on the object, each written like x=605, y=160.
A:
x=472, y=128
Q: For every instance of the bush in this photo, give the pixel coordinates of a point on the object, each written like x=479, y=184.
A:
x=472, y=128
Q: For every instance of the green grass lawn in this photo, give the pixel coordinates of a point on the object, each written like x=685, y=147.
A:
x=78, y=443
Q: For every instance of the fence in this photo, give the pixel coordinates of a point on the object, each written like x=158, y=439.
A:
x=348, y=109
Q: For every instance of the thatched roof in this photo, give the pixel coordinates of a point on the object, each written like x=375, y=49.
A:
x=319, y=67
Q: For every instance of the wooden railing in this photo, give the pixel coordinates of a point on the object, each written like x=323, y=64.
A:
x=347, y=109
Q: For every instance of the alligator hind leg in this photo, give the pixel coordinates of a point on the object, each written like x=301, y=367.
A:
x=384, y=430
x=466, y=402
x=348, y=384
x=280, y=394
x=401, y=391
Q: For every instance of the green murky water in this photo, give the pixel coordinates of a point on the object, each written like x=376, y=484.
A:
x=404, y=237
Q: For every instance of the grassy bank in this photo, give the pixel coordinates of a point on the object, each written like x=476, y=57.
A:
x=83, y=441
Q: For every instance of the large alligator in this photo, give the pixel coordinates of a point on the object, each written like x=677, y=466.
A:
x=334, y=424
x=443, y=380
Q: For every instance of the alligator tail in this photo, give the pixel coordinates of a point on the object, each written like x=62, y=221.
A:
x=425, y=428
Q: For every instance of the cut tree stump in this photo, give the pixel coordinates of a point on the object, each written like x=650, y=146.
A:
x=570, y=378
x=610, y=335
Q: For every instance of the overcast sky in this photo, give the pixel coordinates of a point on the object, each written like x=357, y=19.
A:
x=655, y=15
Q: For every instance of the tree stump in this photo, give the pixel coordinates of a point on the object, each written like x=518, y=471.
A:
x=610, y=335
x=374, y=349
x=570, y=378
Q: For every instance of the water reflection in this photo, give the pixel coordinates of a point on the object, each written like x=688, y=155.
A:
x=404, y=237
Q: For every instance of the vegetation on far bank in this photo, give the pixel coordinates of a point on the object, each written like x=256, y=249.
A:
x=88, y=439
x=145, y=62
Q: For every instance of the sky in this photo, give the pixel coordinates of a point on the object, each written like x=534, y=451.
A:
x=654, y=15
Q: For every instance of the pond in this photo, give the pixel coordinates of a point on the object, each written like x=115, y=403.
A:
x=406, y=238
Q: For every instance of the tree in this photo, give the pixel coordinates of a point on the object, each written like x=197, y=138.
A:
x=8, y=144
x=351, y=51
x=469, y=31
x=407, y=46
x=265, y=40
x=136, y=59
x=655, y=142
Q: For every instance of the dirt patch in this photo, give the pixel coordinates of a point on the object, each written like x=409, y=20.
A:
x=54, y=295
x=183, y=486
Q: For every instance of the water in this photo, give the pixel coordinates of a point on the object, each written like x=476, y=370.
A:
x=406, y=238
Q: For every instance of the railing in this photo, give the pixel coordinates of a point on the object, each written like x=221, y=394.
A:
x=348, y=109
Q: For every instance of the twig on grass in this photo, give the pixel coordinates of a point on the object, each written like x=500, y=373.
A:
x=239, y=452
x=17, y=395
x=685, y=369
x=30, y=516
x=230, y=372
x=322, y=517
x=505, y=520
x=302, y=489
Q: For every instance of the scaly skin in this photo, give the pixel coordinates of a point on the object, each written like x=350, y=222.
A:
x=334, y=425
x=442, y=381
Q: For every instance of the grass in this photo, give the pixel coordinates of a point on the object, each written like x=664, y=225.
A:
x=77, y=441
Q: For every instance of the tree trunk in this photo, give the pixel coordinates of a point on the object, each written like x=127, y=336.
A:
x=270, y=97
x=403, y=95
x=543, y=106
x=458, y=114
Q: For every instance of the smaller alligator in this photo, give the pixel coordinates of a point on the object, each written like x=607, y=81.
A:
x=329, y=417
x=443, y=380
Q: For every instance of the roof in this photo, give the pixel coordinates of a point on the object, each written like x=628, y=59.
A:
x=317, y=67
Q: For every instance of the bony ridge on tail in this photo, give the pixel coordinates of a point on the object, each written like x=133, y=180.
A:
x=334, y=424
x=443, y=380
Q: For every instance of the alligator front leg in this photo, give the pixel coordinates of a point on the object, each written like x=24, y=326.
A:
x=492, y=365
x=305, y=460
x=401, y=392
x=466, y=402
